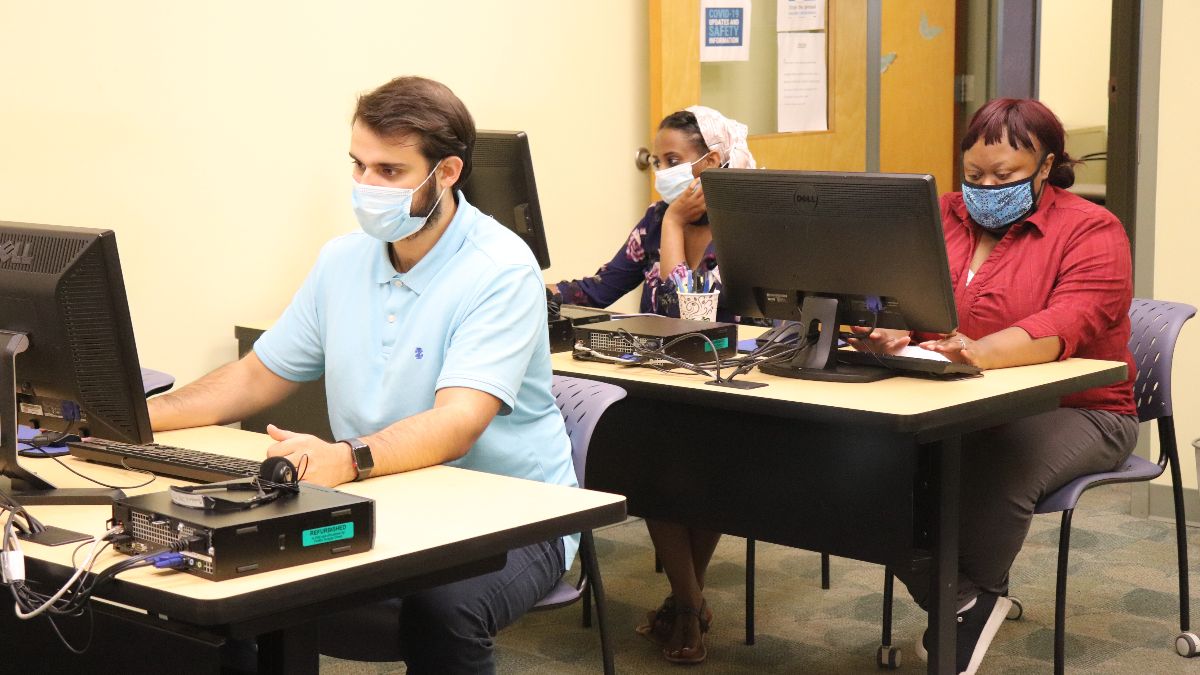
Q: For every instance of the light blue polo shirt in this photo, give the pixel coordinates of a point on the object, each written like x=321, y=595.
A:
x=471, y=313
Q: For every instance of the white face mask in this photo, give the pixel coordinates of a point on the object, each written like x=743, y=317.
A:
x=386, y=212
x=671, y=182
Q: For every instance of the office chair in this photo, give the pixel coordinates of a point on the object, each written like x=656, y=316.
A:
x=582, y=402
x=156, y=381
x=1156, y=327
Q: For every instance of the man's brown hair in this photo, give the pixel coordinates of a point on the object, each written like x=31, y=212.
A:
x=425, y=109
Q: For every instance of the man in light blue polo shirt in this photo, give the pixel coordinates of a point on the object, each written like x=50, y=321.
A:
x=430, y=329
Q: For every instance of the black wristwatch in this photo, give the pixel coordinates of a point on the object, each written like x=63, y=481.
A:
x=360, y=454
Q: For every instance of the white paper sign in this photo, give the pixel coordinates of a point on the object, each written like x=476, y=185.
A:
x=724, y=30
x=793, y=15
x=803, y=82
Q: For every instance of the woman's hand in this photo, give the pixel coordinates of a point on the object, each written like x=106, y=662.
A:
x=687, y=207
x=959, y=348
x=880, y=340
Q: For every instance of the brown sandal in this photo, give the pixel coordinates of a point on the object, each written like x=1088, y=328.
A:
x=689, y=655
x=659, y=622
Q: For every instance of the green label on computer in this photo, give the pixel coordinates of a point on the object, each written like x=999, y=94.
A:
x=324, y=535
x=721, y=343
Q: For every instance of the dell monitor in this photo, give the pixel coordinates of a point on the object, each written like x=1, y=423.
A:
x=501, y=185
x=827, y=250
x=69, y=362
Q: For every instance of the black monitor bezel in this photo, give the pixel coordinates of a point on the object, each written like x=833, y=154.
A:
x=787, y=241
x=47, y=292
x=513, y=146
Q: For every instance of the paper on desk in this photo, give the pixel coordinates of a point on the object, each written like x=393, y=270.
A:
x=919, y=353
x=802, y=83
x=724, y=30
x=799, y=15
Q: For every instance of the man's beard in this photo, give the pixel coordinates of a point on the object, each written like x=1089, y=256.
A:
x=431, y=206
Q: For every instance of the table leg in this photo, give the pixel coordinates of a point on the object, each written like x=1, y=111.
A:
x=291, y=650
x=944, y=576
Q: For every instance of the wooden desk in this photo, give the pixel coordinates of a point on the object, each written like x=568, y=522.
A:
x=432, y=526
x=865, y=471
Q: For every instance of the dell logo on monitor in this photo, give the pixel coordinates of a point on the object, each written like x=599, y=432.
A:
x=806, y=198
x=11, y=252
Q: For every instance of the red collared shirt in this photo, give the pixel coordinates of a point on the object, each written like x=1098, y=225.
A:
x=1065, y=272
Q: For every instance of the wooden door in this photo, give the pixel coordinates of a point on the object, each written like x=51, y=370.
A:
x=916, y=89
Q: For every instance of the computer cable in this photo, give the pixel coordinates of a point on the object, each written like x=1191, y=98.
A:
x=661, y=352
x=67, y=432
x=554, y=302
x=643, y=354
x=778, y=348
x=125, y=466
x=71, y=599
x=50, y=601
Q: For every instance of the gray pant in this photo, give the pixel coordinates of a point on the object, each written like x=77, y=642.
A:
x=1005, y=471
x=448, y=629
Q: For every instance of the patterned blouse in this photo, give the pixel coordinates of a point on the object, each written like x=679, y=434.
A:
x=637, y=263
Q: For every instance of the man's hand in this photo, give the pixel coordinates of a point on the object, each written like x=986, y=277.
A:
x=328, y=464
x=689, y=206
x=879, y=341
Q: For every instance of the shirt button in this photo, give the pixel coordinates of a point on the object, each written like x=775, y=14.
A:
x=397, y=283
x=391, y=318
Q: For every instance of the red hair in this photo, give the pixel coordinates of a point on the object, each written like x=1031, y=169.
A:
x=1022, y=120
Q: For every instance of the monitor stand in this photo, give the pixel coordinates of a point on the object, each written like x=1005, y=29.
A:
x=818, y=359
x=23, y=486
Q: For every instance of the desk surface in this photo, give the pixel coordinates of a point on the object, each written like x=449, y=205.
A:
x=905, y=404
x=422, y=517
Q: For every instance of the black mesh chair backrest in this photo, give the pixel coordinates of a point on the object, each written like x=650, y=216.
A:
x=1156, y=325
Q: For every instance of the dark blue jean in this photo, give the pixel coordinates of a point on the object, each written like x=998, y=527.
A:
x=448, y=629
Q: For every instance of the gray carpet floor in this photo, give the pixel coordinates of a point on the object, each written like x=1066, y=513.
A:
x=1122, y=614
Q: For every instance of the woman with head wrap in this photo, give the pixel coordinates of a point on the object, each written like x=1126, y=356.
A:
x=673, y=235
x=674, y=232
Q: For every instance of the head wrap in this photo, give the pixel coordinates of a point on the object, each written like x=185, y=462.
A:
x=726, y=136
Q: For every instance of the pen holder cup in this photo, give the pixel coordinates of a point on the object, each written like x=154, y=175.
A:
x=698, y=306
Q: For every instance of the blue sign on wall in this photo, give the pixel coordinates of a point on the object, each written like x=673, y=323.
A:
x=723, y=27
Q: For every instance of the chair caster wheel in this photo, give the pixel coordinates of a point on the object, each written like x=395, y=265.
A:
x=1187, y=644
x=1016, y=611
x=887, y=657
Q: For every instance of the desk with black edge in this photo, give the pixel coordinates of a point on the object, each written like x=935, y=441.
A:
x=433, y=526
x=863, y=471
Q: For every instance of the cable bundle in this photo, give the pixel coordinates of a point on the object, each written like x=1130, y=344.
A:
x=642, y=354
x=71, y=600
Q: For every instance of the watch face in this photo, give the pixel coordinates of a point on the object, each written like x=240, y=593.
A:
x=363, y=460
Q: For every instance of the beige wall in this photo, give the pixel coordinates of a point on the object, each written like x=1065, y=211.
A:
x=212, y=136
x=1073, y=60
x=1177, y=227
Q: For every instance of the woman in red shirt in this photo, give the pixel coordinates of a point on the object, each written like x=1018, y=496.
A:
x=1039, y=275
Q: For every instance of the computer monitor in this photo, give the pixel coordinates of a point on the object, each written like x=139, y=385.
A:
x=501, y=185
x=830, y=249
x=69, y=360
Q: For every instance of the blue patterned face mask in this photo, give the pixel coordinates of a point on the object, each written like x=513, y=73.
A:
x=996, y=207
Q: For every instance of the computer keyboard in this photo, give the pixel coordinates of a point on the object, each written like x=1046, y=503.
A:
x=909, y=365
x=165, y=460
